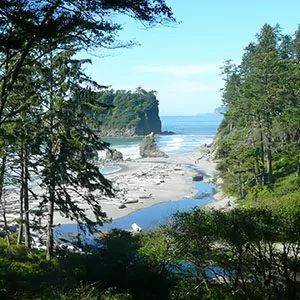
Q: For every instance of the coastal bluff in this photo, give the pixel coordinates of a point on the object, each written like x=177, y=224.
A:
x=129, y=113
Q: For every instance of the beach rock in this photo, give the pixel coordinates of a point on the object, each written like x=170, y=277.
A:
x=198, y=177
x=121, y=206
x=177, y=169
x=219, y=196
x=219, y=181
x=201, y=195
x=138, y=122
x=149, y=148
x=114, y=155
x=166, y=132
x=207, y=180
x=179, y=173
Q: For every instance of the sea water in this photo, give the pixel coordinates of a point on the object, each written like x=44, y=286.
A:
x=190, y=132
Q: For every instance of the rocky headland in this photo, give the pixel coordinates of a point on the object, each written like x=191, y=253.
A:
x=129, y=113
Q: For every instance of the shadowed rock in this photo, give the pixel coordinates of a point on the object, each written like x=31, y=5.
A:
x=149, y=148
x=114, y=155
x=198, y=177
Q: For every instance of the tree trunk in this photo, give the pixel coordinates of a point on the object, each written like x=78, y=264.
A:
x=51, y=201
x=269, y=162
x=26, y=200
x=21, y=204
x=3, y=204
x=269, y=152
x=241, y=185
x=50, y=230
x=50, y=241
x=262, y=155
x=51, y=187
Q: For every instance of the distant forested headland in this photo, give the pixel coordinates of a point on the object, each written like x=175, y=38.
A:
x=128, y=113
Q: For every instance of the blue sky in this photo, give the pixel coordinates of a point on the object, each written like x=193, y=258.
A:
x=182, y=62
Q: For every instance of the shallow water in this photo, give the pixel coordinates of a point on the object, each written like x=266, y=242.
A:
x=109, y=169
x=150, y=217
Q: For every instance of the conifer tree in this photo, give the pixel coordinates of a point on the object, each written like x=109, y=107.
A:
x=263, y=101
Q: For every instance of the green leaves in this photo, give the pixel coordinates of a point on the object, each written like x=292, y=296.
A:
x=259, y=128
x=248, y=252
x=129, y=109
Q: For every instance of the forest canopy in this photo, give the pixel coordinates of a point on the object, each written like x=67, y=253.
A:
x=258, y=142
x=136, y=111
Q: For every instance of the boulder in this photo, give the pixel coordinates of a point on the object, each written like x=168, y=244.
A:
x=113, y=155
x=166, y=132
x=198, y=177
x=149, y=148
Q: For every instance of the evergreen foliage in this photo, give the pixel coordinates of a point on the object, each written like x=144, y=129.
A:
x=46, y=135
x=127, y=109
x=258, y=142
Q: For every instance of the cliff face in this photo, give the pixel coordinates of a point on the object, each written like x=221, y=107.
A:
x=149, y=122
x=131, y=113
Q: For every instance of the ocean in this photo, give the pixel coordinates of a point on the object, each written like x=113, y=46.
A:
x=190, y=133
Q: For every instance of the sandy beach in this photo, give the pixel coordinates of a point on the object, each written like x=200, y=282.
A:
x=147, y=181
x=142, y=183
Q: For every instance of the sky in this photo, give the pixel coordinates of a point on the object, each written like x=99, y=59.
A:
x=182, y=62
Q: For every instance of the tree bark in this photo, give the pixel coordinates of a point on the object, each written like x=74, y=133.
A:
x=269, y=152
x=262, y=155
x=3, y=204
x=26, y=200
x=21, y=204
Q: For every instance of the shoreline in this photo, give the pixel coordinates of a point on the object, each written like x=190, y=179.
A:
x=140, y=184
x=144, y=182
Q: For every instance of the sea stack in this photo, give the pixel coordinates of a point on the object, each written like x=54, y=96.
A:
x=149, y=148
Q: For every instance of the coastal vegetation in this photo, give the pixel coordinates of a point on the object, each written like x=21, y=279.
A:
x=49, y=120
x=202, y=254
x=129, y=112
x=258, y=142
x=47, y=136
